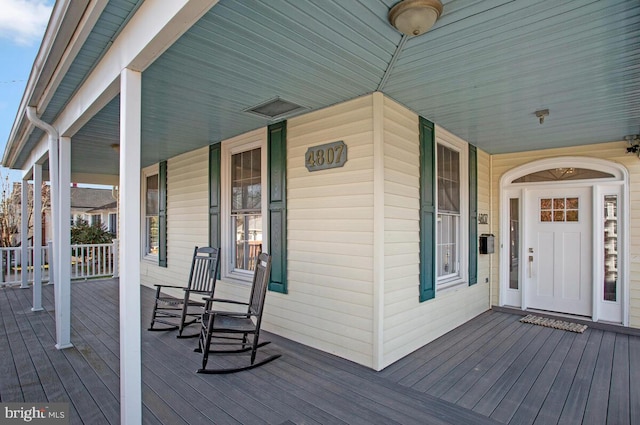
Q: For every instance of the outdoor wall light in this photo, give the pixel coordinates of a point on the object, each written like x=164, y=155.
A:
x=415, y=17
x=541, y=114
x=634, y=144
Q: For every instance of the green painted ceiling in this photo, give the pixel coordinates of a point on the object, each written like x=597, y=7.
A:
x=481, y=72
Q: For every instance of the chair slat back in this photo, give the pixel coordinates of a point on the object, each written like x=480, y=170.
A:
x=204, y=269
x=260, y=283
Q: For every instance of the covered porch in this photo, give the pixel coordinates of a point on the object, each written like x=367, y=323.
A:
x=491, y=370
x=161, y=97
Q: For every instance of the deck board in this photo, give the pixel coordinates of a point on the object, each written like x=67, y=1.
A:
x=618, y=409
x=92, y=401
x=487, y=352
x=525, y=349
x=634, y=379
x=517, y=379
x=523, y=402
x=488, y=363
x=429, y=364
x=576, y=402
x=10, y=388
x=400, y=370
x=471, y=348
x=491, y=370
x=596, y=411
x=551, y=409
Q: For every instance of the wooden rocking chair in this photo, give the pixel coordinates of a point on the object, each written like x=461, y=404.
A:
x=178, y=313
x=234, y=333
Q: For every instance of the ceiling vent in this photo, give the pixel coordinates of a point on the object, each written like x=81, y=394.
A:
x=275, y=108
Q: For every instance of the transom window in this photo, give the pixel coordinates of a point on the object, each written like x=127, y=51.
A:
x=563, y=174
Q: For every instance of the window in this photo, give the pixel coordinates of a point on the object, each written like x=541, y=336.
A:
x=514, y=243
x=246, y=208
x=151, y=221
x=610, y=248
x=96, y=220
x=113, y=223
x=243, y=203
x=451, y=220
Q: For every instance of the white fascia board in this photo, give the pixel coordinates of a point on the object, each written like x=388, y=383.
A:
x=88, y=21
x=39, y=154
x=33, y=94
x=17, y=136
x=153, y=29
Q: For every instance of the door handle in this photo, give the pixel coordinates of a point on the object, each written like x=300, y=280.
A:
x=530, y=266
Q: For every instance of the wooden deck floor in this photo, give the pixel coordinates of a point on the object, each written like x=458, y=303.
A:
x=491, y=370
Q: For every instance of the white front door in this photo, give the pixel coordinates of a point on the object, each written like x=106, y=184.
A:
x=558, y=250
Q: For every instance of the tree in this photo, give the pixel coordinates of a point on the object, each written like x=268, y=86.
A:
x=10, y=210
x=84, y=233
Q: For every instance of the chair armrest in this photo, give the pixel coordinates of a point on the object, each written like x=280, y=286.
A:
x=228, y=313
x=161, y=285
x=221, y=300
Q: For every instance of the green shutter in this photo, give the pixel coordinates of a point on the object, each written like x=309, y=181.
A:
x=427, y=211
x=277, y=200
x=162, y=214
x=214, y=196
x=473, y=215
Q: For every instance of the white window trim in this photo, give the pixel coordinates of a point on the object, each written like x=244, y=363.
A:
x=146, y=172
x=252, y=140
x=443, y=137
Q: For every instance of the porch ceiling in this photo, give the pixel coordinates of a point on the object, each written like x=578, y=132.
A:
x=481, y=72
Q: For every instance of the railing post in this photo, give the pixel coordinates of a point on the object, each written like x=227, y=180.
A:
x=24, y=234
x=115, y=253
x=37, y=278
x=2, y=266
x=49, y=260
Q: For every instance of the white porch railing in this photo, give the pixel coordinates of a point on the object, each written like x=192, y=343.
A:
x=87, y=262
x=94, y=260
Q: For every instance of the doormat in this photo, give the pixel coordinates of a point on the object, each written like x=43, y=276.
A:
x=554, y=323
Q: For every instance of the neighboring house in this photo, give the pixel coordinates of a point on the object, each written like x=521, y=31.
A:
x=96, y=206
x=403, y=185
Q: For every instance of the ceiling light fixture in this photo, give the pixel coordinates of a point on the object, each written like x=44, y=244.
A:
x=541, y=114
x=415, y=17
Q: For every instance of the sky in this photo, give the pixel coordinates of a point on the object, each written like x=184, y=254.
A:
x=22, y=25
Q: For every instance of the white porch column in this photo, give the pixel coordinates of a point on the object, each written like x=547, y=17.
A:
x=54, y=171
x=37, y=238
x=130, y=248
x=24, y=234
x=62, y=242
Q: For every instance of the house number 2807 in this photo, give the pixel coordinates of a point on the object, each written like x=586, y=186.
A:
x=322, y=157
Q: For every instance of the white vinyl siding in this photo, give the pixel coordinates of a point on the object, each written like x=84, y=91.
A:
x=409, y=324
x=352, y=272
x=330, y=237
x=187, y=218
